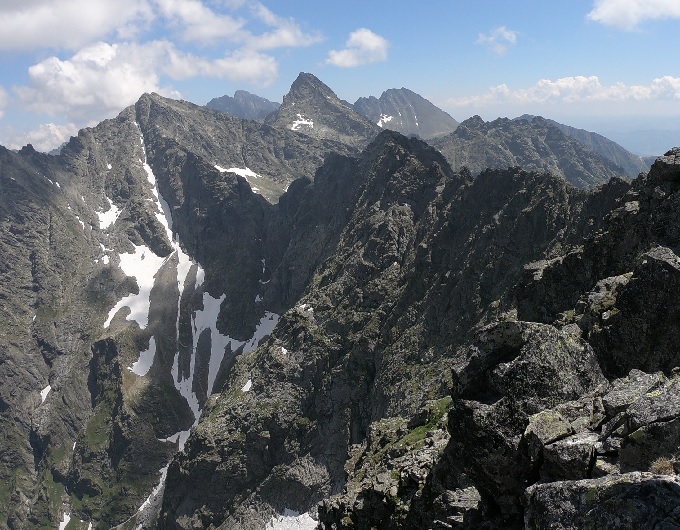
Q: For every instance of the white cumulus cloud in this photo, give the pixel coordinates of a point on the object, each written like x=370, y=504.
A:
x=499, y=40
x=73, y=24
x=44, y=138
x=241, y=65
x=67, y=24
x=575, y=89
x=362, y=47
x=102, y=79
x=93, y=84
x=628, y=14
x=285, y=32
x=196, y=22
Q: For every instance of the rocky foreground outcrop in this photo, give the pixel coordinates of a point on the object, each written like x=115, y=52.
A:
x=573, y=422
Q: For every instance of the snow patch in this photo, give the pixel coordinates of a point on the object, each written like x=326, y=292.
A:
x=284, y=351
x=66, y=520
x=143, y=364
x=292, y=520
x=247, y=386
x=81, y=223
x=264, y=327
x=302, y=121
x=384, y=118
x=156, y=491
x=44, y=392
x=142, y=264
x=108, y=166
x=107, y=218
x=246, y=173
x=181, y=437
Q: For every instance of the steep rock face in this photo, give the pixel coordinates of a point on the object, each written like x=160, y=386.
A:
x=535, y=145
x=613, y=297
x=244, y=105
x=135, y=265
x=268, y=158
x=632, y=164
x=637, y=250
x=404, y=111
x=312, y=109
x=408, y=261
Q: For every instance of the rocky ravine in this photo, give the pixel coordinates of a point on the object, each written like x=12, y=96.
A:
x=436, y=350
x=122, y=261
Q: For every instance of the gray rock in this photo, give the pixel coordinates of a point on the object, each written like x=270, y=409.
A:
x=631, y=500
x=628, y=390
x=537, y=145
x=244, y=105
x=570, y=458
x=404, y=111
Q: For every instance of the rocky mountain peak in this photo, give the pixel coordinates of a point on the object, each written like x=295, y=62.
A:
x=632, y=164
x=244, y=105
x=392, y=344
x=313, y=109
x=536, y=145
x=402, y=110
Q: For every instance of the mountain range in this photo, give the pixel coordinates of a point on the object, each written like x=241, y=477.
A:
x=310, y=321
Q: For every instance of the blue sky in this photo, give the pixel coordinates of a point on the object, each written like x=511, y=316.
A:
x=604, y=65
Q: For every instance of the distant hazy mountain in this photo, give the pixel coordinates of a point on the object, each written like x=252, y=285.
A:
x=534, y=145
x=631, y=163
x=244, y=105
x=404, y=111
x=311, y=108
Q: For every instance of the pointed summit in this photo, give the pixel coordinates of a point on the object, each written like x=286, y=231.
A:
x=312, y=108
x=405, y=111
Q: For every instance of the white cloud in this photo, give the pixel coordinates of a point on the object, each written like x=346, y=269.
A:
x=241, y=65
x=70, y=24
x=286, y=32
x=45, y=138
x=362, y=47
x=3, y=101
x=73, y=24
x=103, y=78
x=93, y=84
x=575, y=89
x=499, y=40
x=627, y=14
x=198, y=23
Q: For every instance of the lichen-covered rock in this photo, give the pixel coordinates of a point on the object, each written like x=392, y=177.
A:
x=627, y=390
x=570, y=458
x=508, y=378
x=630, y=500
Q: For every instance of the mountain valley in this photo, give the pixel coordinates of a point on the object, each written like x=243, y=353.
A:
x=301, y=318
